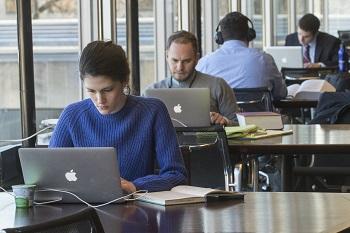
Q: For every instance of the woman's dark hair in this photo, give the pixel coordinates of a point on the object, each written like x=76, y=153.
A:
x=183, y=37
x=104, y=58
x=309, y=23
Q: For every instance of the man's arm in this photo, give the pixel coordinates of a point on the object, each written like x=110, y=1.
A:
x=226, y=100
x=276, y=81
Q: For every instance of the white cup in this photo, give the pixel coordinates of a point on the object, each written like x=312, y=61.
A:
x=24, y=195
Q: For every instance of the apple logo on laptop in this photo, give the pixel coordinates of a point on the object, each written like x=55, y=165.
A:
x=71, y=176
x=177, y=108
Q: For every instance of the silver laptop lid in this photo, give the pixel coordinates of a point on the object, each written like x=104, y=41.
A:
x=91, y=173
x=286, y=56
x=187, y=107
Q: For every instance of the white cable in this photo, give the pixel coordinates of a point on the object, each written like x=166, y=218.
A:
x=144, y=192
x=27, y=138
x=88, y=204
x=180, y=122
x=7, y=191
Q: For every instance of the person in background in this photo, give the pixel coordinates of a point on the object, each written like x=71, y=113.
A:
x=239, y=65
x=139, y=128
x=320, y=49
x=182, y=56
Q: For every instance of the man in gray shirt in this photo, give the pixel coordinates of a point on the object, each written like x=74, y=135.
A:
x=182, y=57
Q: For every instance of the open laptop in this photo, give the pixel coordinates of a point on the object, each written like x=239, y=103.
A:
x=286, y=56
x=187, y=107
x=92, y=173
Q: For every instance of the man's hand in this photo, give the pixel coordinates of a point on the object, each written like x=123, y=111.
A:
x=218, y=119
x=127, y=186
x=312, y=65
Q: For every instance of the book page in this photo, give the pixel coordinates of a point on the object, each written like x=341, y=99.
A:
x=196, y=191
x=292, y=90
x=316, y=86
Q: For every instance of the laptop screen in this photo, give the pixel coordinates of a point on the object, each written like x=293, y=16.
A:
x=187, y=107
x=92, y=173
x=286, y=56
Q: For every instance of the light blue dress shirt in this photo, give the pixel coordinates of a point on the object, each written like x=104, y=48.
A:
x=244, y=67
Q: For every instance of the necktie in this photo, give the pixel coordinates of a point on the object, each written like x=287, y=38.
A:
x=306, y=54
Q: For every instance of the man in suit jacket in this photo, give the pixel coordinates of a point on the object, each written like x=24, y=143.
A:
x=319, y=49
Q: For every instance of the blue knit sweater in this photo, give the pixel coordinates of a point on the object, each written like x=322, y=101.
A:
x=141, y=132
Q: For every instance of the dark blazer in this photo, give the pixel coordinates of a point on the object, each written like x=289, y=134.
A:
x=327, y=47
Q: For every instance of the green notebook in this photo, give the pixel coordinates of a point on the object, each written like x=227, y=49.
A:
x=240, y=131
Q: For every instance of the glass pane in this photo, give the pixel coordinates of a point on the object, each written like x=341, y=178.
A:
x=318, y=11
x=10, y=117
x=147, y=43
x=281, y=19
x=56, y=48
x=253, y=10
x=339, y=16
x=302, y=7
x=146, y=39
x=223, y=7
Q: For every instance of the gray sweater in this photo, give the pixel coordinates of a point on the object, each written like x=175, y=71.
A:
x=222, y=98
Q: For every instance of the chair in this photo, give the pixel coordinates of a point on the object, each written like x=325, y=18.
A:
x=206, y=156
x=298, y=75
x=84, y=221
x=344, y=36
x=257, y=99
x=327, y=172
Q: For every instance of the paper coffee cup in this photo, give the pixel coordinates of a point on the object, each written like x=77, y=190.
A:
x=24, y=195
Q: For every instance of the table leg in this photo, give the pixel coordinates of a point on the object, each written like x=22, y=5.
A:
x=286, y=173
x=255, y=173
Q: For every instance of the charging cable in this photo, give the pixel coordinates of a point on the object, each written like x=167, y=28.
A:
x=27, y=138
x=180, y=122
x=126, y=197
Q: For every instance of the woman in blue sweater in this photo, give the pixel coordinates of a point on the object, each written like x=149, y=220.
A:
x=139, y=128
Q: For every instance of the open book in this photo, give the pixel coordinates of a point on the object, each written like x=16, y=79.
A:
x=184, y=194
x=309, y=89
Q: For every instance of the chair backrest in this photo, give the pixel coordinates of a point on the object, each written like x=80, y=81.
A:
x=206, y=156
x=257, y=99
x=298, y=75
x=344, y=36
x=83, y=221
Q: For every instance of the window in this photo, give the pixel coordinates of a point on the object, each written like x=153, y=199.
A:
x=56, y=49
x=281, y=21
x=10, y=117
x=253, y=10
x=339, y=17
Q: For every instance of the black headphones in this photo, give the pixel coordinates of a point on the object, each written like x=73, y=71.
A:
x=251, y=32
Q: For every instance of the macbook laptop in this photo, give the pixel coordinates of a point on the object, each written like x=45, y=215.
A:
x=91, y=173
x=286, y=56
x=187, y=107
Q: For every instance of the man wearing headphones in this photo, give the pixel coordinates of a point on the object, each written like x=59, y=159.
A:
x=239, y=65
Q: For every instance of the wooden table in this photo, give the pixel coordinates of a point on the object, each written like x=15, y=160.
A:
x=306, y=139
x=260, y=212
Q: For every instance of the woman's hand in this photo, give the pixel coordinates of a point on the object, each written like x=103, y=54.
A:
x=127, y=186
